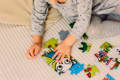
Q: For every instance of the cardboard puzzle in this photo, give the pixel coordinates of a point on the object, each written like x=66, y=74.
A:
x=105, y=55
x=109, y=77
x=91, y=70
x=85, y=47
x=73, y=66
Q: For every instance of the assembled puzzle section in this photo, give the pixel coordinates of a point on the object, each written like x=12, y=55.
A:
x=103, y=55
x=73, y=66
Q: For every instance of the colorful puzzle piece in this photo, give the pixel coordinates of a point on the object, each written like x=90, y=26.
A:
x=109, y=77
x=91, y=70
x=106, y=55
x=117, y=64
x=76, y=68
x=73, y=66
x=106, y=46
x=102, y=57
x=85, y=47
x=51, y=43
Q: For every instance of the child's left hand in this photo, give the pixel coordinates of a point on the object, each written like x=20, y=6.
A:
x=64, y=49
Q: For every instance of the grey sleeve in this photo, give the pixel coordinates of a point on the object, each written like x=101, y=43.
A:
x=40, y=11
x=84, y=16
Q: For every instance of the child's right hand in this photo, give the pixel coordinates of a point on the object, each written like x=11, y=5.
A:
x=33, y=51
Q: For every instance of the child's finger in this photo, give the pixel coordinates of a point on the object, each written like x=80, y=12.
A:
x=29, y=56
x=55, y=49
x=62, y=58
x=36, y=52
x=55, y=55
x=68, y=57
x=32, y=52
x=58, y=58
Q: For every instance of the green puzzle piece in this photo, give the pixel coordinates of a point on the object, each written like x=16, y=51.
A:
x=49, y=60
x=85, y=36
x=51, y=43
x=106, y=46
x=85, y=47
x=93, y=70
x=72, y=24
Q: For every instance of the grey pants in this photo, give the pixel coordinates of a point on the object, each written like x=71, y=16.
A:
x=105, y=11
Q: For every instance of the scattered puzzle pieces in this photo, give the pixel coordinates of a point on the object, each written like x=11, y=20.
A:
x=102, y=57
x=106, y=55
x=91, y=70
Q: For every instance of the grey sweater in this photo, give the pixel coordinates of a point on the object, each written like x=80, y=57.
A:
x=78, y=11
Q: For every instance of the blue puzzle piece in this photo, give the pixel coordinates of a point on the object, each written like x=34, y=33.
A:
x=50, y=54
x=76, y=68
x=110, y=77
x=63, y=34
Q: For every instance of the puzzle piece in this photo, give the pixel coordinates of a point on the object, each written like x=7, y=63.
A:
x=63, y=34
x=91, y=70
x=85, y=47
x=117, y=64
x=85, y=36
x=49, y=54
x=106, y=47
x=115, y=52
x=102, y=57
x=76, y=68
x=109, y=77
x=51, y=43
x=72, y=24
x=106, y=55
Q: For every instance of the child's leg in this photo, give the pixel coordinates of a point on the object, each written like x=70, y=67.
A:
x=107, y=28
x=107, y=6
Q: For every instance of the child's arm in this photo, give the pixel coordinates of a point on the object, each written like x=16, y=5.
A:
x=84, y=16
x=84, y=11
x=40, y=11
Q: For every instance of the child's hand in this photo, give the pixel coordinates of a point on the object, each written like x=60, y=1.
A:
x=33, y=51
x=64, y=48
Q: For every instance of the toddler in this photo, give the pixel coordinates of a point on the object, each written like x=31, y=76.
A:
x=78, y=11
